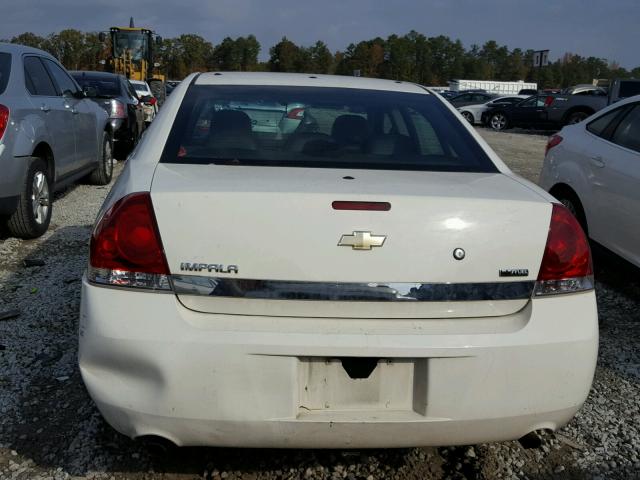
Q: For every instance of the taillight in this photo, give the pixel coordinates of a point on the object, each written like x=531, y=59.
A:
x=118, y=110
x=4, y=119
x=152, y=101
x=566, y=265
x=125, y=247
x=554, y=141
x=296, y=114
x=548, y=101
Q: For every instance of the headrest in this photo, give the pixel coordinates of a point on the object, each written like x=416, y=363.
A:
x=349, y=129
x=230, y=121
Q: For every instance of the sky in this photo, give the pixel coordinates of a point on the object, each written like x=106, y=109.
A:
x=607, y=29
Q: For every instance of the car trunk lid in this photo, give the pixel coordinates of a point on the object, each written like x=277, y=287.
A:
x=265, y=241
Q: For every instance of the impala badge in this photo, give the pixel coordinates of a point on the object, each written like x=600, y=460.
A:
x=362, y=240
x=514, y=272
x=209, y=267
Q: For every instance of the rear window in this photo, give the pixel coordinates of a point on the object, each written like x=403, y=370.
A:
x=321, y=127
x=627, y=133
x=5, y=70
x=106, y=87
x=139, y=87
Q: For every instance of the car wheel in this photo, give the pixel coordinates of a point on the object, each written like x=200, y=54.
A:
x=104, y=173
x=576, y=117
x=498, y=121
x=468, y=117
x=571, y=201
x=31, y=218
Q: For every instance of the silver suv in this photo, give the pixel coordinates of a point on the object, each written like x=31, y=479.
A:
x=51, y=134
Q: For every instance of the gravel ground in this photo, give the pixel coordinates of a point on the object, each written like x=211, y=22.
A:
x=49, y=427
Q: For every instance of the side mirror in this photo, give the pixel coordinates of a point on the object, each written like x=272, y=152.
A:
x=90, y=92
x=102, y=36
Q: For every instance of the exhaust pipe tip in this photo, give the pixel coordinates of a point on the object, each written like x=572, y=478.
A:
x=156, y=444
x=531, y=440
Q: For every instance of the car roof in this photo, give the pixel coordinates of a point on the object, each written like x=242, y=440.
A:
x=306, y=80
x=475, y=92
x=584, y=87
x=515, y=95
x=18, y=49
x=94, y=74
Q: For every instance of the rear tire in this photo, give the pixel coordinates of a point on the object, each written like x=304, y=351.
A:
x=104, y=173
x=498, y=122
x=33, y=215
x=576, y=117
x=468, y=117
x=573, y=204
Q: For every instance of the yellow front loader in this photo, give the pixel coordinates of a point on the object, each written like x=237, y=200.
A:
x=132, y=55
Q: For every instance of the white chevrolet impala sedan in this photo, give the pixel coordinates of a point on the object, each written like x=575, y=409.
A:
x=376, y=277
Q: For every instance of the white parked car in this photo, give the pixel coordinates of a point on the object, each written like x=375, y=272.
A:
x=376, y=278
x=593, y=167
x=150, y=106
x=473, y=113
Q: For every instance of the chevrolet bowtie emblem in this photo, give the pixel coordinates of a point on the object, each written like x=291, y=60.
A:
x=362, y=240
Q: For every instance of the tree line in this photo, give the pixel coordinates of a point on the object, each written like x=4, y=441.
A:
x=411, y=57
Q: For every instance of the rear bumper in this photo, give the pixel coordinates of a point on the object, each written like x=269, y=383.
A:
x=12, y=174
x=149, y=113
x=154, y=367
x=8, y=205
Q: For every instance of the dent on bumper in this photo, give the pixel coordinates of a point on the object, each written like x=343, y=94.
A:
x=156, y=368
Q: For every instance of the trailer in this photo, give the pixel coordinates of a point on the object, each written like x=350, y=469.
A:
x=503, y=88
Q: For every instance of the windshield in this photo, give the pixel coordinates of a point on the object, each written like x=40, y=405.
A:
x=133, y=42
x=5, y=70
x=321, y=127
x=105, y=86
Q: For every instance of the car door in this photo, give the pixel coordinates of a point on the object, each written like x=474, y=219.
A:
x=56, y=117
x=615, y=172
x=84, y=118
x=530, y=112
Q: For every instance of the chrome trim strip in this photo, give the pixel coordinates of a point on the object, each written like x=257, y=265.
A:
x=336, y=291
